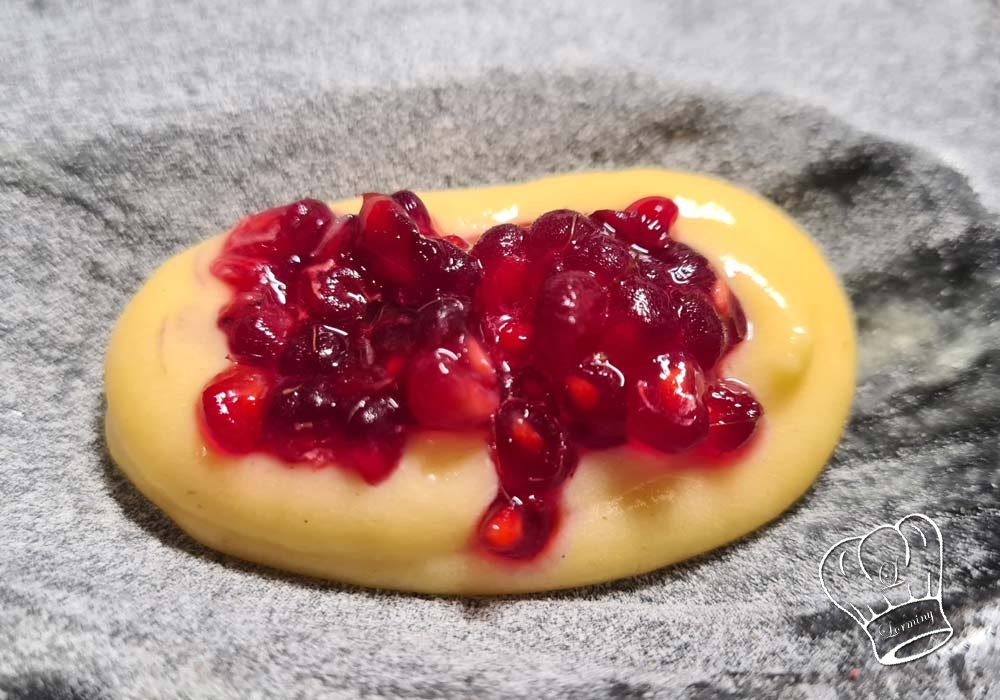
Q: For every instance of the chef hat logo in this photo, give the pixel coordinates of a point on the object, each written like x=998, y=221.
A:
x=889, y=582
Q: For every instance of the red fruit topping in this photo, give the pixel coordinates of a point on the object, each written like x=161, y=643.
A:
x=414, y=206
x=339, y=239
x=499, y=244
x=388, y=241
x=733, y=413
x=645, y=223
x=393, y=339
x=570, y=332
x=443, y=269
x=641, y=322
x=601, y=255
x=451, y=384
x=517, y=529
x=685, y=266
x=702, y=332
x=665, y=408
x=375, y=436
x=530, y=384
x=255, y=235
x=257, y=325
x=334, y=293
x=315, y=349
x=232, y=409
x=447, y=391
x=245, y=274
x=731, y=312
x=569, y=318
x=301, y=227
x=305, y=419
x=552, y=232
x=531, y=449
x=593, y=400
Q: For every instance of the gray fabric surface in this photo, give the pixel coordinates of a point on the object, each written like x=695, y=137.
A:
x=130, y=131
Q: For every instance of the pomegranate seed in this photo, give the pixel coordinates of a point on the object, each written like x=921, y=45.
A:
x=256, y=326
x=645, y=223
x=601, y=255
x=731, y=312
x=509, y=285
x=334, y=293
x=685, y=266
x=642, y=322
x=569, y=318
x=301, y=227
x=315, y=349
x=255, y=235
x=517, y=529
x=442, y=269
x=499, y=244
x=246, y=274
x=388, y=240
x=553, y=231
x=233, y=408
x=594, y=400
x=393, y=339
x=531, y=385
x=658, y=214
x=515, y=337
x=414, y=206
x=445, y=392
x=733, y=413
x=458, y=242
x=531, y=450
x=305, y=419
x=443, y=323
x=339, y=240
x=665, y=408
x=376, y=435
x=702, y=332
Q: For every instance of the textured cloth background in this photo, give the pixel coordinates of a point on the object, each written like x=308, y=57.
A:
x=131, y=130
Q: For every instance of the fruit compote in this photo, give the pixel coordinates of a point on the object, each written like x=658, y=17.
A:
x=570, y=333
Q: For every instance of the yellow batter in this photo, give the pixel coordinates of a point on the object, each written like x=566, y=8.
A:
x=624, y=513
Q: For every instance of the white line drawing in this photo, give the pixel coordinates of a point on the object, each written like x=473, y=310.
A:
x=889, y=582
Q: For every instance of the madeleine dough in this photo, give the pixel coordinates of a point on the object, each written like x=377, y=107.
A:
x=624, y=513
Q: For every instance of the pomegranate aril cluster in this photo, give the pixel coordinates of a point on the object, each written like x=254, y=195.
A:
x=573, y=332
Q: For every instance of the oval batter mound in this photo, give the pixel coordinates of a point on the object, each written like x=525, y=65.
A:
x=498, y=390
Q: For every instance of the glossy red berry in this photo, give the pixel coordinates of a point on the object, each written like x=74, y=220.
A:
x=532, y=451
x=255, y=235
x=301, y=227
x=552, y=232
x=387, y=243
x=642, y=323
x=665, y=407
x=232, y=407
x=375, y=434
x=516, y=528
x=605, y=257
x=569, y=318
x=414, y=206
x=701, y=331
x=447, y=391
x=733, y=414
x=257, y=327
x=594, y=397
x=334, y=293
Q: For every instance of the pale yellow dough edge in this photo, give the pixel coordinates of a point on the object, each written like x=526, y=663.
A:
x=625, y=514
